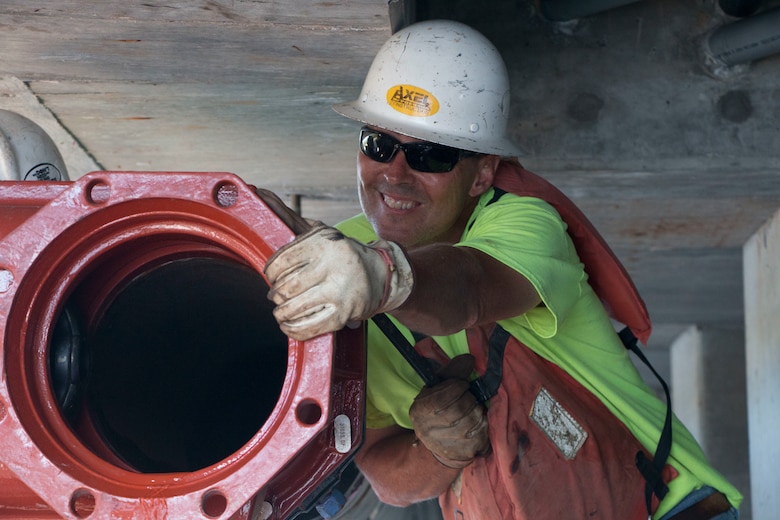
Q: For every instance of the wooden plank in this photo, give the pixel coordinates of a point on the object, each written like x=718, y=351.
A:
x=328, y=14
x=268, y=138
x=129, y=53
x=275, y=42
x=659, y=223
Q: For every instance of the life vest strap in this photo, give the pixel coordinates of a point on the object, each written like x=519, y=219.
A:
x=420, y=364
x=483, y=387
x=651, y=470
x=486, y=386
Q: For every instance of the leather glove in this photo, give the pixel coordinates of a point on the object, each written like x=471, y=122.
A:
x=447, y=418
x=323, y=280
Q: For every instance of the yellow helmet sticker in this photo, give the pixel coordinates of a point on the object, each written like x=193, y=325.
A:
x=412, y=101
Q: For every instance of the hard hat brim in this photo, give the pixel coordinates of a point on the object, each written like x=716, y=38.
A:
x=501, y=146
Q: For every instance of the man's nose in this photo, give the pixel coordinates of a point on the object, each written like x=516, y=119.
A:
x=398, y=170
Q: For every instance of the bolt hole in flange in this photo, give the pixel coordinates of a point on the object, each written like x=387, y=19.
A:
x=82, y=503
x=308, y=412
x=181, y=369
x=214, y=503
x=98, y=192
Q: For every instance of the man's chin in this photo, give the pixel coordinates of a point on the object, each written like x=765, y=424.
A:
x=394, y=235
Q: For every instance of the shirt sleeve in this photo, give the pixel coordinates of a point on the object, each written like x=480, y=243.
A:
x=528, y=235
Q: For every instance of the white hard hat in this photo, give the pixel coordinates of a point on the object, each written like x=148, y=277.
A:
x=27, y=152
x=440, y=81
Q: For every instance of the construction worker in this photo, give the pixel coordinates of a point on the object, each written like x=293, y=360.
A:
x=526, y=404
x=27, y=152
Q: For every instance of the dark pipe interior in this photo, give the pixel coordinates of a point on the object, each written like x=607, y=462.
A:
x=182, y=369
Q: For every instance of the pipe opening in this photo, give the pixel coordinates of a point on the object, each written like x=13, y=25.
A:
x=179, y=370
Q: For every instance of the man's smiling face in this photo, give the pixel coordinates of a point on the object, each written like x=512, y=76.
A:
x=416, y=208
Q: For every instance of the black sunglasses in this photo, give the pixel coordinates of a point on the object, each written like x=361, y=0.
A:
x=421, y=156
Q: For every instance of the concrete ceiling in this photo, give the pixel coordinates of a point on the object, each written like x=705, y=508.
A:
x=675, y=164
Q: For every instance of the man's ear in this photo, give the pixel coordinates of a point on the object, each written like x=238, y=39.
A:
x=486, y=171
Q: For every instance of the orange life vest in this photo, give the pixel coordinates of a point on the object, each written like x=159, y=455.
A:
x=556, y=451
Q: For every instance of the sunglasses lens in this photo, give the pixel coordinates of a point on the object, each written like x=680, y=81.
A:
x=377, y=146
x=431, y=158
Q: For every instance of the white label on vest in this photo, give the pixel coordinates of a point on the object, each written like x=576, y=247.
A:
x=566, y=433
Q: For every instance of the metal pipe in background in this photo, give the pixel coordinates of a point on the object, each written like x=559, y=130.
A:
x=744, y=41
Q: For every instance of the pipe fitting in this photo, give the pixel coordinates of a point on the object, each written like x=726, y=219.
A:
x=143, y=372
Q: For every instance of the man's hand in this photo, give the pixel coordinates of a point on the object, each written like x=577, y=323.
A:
x=447, y=418
x=323, y=280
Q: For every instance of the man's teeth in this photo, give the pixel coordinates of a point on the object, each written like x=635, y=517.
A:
x=398, y=204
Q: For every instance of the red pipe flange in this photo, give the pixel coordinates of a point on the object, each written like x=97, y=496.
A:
x=116, y=252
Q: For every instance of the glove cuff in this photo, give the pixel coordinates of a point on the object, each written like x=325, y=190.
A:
x=399, y=277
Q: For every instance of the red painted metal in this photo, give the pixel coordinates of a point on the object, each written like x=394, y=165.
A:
x=81, y=245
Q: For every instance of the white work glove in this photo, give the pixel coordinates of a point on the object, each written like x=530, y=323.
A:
x=324, y=280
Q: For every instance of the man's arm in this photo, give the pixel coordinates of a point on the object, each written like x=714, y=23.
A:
x=460, y=287
x=400, y=469
x=323, y=280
